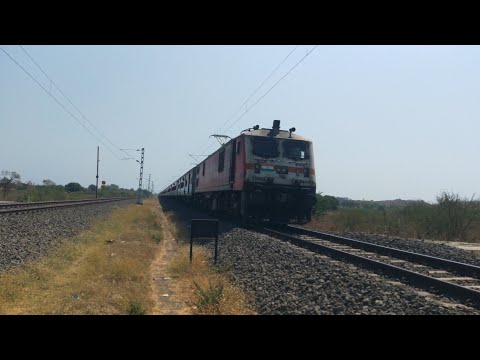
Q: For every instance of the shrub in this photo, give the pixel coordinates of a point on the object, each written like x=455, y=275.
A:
x=134, y=308
x=209, y=299
x=73, y=187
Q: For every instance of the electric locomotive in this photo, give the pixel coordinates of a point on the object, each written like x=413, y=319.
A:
x=261, y=175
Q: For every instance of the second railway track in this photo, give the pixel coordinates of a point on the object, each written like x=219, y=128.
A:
x=45, y=205
x=449, y=278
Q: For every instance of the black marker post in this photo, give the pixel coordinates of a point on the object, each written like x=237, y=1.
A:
x=204, y=228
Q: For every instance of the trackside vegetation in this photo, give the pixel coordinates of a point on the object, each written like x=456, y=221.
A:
x=105, y=270
x=452, y=217
x=12, y=188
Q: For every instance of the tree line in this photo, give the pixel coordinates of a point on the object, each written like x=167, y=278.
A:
x=452, y=217
x=12, y=188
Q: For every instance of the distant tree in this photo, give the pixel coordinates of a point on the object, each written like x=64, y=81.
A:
x=48, y=182
x=347, y=203
x=8, y=182
x=458, y=214
x=113, y=187
x=21, y=186
x=73, y=187
x=326, y=203
x=92, y=187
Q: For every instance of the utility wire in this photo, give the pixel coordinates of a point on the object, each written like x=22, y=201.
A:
x=288, y=72
x=65, y=96
x=246, y=101
x=263, y=82
x=58, y=102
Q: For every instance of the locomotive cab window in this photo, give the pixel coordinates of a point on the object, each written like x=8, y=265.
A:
x=238, y=148
x=265, y=147
x=221, y=160
x=203, y=170
x=295, y=150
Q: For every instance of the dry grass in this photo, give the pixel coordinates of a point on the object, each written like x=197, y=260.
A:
x=204, y=287
x=373, y=221
x=230, y=301
x=102, y=271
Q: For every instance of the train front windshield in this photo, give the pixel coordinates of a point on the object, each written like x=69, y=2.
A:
x=265, y=147
x=295, y=150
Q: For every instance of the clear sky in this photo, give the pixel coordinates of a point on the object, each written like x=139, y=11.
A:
x=387, y=122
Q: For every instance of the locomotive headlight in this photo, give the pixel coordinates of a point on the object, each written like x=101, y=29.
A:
x=306, y=172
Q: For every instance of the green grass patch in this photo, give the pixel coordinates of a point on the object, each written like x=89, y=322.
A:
x=135, y=308
x=157, y=237
x=222, y=268
x=208, y=299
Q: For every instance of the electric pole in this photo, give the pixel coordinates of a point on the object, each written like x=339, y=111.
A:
x=98, y=160
x=140, y=179
x=149, y=182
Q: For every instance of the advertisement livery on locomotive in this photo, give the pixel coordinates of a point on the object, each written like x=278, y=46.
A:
x=262, y=174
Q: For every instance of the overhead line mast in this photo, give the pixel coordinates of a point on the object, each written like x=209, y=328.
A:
x=140, y=179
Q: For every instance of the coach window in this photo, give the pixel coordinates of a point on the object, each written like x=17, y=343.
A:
x=221, y=160
x=203, y=170
x=238, y=148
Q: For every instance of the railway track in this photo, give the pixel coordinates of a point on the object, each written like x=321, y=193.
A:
x=449, y=278
x=45, y=205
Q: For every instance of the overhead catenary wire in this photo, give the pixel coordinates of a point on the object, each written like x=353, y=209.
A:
x=258, y=88
x=65, y=96
x=64, y=107
x=283, y=77
x=271, y=88
x=59, y=103
x=256, y=102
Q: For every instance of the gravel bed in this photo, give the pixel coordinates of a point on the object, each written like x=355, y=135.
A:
x=415, y=245
x=285, y=279
x=424, y=269
x=26, y=236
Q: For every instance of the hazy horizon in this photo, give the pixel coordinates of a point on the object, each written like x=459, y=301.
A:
x=387, y=122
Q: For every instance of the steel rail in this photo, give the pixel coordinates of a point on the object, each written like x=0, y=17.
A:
x=449, y=289
x=35, y=203
x=385, y=250
x=57, y=205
